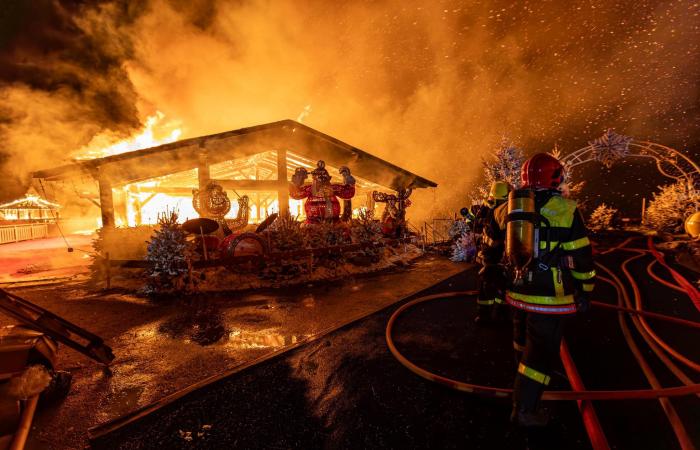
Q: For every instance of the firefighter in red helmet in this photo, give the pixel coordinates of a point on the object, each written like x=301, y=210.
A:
x=551, y=274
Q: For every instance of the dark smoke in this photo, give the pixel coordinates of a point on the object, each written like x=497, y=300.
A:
x=431, y=86
x=61, y=79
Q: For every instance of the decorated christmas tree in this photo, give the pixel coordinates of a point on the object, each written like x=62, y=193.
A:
x=169, y=254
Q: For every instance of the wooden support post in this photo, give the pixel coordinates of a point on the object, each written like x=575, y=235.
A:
x=120, y=208
x=106, y=201
x=283, y=189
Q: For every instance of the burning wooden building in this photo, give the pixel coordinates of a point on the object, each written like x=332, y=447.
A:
x=132, y=188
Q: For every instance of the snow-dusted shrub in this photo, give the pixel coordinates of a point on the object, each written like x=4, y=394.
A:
x=602, y=217
x=365, y=230
x=670, y=207
x=284, y=235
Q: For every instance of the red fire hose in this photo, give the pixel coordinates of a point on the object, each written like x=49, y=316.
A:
x=590, y=418
x=680, y=279
x=634, y=394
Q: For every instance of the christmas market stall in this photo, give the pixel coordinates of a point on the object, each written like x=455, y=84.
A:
x=292, y=200
x=27, y=218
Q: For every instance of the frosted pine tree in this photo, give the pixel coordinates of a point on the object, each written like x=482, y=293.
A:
x=503, y=164
x=602, y=217
x=671, y=206
x=169, y=255
x=464, y=247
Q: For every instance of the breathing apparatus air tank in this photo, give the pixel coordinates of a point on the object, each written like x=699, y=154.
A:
x=520, y=232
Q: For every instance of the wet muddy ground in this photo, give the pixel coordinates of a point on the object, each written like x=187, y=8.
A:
x=165, y=346
x=347, y=391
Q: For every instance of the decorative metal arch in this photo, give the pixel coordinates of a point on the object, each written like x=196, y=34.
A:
x=612, y=147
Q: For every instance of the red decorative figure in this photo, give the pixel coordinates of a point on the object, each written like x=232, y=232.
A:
x=321, y=195
x=394, y=216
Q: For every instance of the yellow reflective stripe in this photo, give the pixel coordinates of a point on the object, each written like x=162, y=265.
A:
x=533, y=374
x=583, y=275
x=484, y=302
x=588, y=287
x=542, y=299
x=498, y=300
x=552, y=245
x=558, y=287
x=518, y=347
x=578, y=243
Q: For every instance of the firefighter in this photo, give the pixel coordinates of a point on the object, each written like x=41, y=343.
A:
x=491, y=280
x=551, y=274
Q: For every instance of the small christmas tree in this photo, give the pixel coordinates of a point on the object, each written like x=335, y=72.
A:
x=464, y=247
x=671, y=206
x=502, y=165
x=602, y=217
x=169, y=254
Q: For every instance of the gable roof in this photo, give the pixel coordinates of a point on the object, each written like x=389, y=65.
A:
x=182, y=155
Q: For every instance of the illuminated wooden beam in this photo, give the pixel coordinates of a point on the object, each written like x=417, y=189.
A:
x=251, y=185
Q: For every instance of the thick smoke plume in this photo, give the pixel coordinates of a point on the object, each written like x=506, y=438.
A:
x=430, y=86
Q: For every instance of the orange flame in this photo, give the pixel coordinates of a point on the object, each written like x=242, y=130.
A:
x=155, y=132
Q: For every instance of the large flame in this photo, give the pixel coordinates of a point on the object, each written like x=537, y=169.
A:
x=156, y=131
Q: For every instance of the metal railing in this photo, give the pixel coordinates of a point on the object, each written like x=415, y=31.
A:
x=25, y=232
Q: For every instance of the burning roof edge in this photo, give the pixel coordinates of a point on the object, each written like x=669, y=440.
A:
x=91, y=166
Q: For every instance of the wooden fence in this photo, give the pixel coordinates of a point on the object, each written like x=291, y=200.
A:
x=24, y=232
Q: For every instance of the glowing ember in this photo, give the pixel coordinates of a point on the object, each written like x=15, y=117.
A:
x=155, y=132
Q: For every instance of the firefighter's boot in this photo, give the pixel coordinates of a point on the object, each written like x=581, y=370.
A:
x=526, y=403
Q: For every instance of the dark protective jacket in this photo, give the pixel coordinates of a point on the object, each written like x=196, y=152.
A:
x=567, y=259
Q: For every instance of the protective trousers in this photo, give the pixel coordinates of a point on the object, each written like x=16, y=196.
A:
x=489, y=302
x=536, y=340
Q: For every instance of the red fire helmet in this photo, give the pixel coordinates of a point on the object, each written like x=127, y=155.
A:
x=542, y=171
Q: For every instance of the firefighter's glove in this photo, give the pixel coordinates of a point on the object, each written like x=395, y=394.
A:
x=583, y=303
x=492, y=273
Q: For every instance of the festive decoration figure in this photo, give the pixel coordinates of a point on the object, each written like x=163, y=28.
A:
x=241, y=219
x=321, y=195
x=212, y=202
x=610, y=147
x=394, y=215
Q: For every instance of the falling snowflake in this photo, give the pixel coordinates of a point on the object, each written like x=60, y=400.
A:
x=610, y=147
